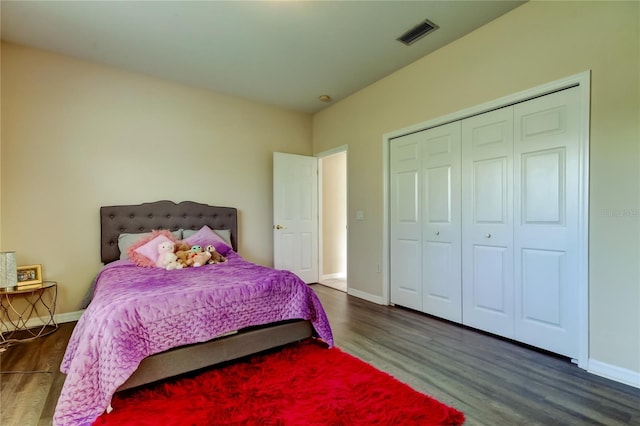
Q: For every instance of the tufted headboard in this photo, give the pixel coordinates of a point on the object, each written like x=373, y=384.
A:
x=114, y=220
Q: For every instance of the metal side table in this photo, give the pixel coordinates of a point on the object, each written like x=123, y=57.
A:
x=27, y=313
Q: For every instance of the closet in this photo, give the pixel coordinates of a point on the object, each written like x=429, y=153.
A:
x=484, y=221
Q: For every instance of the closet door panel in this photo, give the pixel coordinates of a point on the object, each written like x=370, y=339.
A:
x=490, y=185
x=437, y=267
x=487, y=222
x=441, y=263
x=542, y=278
x=491, y=281
x=406, y=227
x=546, y=149
x=542, y=183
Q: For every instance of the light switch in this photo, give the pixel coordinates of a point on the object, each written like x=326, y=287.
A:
x=359, y=215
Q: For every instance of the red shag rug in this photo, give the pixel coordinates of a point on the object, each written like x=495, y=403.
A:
x=302, y=384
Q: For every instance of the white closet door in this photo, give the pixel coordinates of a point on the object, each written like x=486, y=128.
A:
x=441, y=245
x=546, y=221
x=487, y=222
x=405, y=217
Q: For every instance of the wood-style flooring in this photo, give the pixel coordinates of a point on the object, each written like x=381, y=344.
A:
x=493, y=381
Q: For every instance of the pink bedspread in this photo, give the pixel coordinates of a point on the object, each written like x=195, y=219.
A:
x=137, y=312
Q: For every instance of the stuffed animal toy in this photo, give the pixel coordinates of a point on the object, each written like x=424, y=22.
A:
x=216, y=257
x=197, y=256
x=181, y=251
x=166, y=257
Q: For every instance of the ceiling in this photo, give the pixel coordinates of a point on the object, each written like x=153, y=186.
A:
x=283, y=53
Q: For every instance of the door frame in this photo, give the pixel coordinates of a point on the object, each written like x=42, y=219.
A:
x=583, y=82
x=319, y=156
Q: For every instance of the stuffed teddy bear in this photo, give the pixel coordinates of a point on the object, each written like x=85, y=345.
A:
x=215, y=256
x=182, y=253
x=166, y=257
x=197, y=256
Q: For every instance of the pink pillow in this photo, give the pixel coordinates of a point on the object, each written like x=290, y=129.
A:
x=206, y=236
x=144, y=252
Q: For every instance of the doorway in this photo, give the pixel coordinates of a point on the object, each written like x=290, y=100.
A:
x=332, y=170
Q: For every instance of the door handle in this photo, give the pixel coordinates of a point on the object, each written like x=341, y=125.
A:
x=279, y=227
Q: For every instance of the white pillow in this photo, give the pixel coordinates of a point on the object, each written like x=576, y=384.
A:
x=126, y=240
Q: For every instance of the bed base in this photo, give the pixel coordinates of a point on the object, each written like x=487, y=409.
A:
x=193, y=357
x=165, y=214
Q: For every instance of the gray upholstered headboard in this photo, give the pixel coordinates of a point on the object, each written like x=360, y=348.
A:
x=114, y=220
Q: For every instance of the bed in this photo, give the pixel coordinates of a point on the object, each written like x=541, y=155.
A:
x=147, y=324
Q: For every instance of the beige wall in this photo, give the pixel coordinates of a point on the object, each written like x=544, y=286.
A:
x=1, y=247
x=536, y=43
x=78, y=135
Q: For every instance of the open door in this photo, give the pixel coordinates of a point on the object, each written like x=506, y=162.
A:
x=295, y=215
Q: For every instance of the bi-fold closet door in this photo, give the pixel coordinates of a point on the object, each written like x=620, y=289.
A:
x=484, y=221
x=425, y=221
x=487, y=222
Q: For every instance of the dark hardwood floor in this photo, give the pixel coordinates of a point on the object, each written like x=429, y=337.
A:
x=493, y=381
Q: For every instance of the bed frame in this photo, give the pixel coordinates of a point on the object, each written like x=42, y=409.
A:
x=115, y=220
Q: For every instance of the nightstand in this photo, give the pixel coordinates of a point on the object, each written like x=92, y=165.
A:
x=27, y=313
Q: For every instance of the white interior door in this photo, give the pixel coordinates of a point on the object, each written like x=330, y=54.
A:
x=295, y=214
x=405, y=217
x=487, y=221
x=441, y=233
x=546, y=221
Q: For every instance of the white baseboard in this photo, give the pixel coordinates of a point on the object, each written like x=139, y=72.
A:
x=366, y=296
x=68, y=317
x=58, y=318
x=618, y=374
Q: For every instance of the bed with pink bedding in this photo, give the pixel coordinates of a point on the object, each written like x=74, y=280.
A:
x=138, y=315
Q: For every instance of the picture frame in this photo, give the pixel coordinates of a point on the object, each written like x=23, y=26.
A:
x=29, y=275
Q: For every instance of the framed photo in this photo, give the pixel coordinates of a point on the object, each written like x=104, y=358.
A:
x=29, y=275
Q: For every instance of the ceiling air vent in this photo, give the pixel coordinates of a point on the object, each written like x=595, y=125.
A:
x=417, y=32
